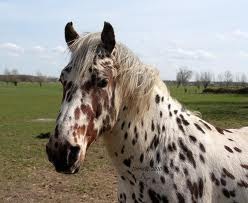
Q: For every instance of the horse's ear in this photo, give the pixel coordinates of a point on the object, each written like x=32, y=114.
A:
x=70, y=34
x=108, y=37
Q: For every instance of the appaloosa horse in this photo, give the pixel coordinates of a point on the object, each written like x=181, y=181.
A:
x=161, y=151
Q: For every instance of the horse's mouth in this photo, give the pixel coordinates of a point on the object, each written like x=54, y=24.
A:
x=67, y=158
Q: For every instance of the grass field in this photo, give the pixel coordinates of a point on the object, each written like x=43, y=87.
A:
x=26, y=175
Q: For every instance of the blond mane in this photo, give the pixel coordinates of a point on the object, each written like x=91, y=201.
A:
x=136, y=79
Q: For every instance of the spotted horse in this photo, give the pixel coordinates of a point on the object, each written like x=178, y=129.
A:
x=161, y=151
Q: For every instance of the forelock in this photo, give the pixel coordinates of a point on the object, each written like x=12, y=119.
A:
x=84, y=52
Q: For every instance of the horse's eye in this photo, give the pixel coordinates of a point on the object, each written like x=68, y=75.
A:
x=102, y=83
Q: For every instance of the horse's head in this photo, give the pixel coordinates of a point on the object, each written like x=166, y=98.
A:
x=88, y=106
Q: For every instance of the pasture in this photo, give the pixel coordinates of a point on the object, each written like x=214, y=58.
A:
x=27, y=176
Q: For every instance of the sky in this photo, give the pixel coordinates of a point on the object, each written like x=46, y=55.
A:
x=205, y=35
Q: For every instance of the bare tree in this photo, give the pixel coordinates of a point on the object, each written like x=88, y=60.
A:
x=197, y=80
x=183, y=76
x=237, y=79
x=14, y=76
x=228, y=78
x=7, y=75
x=220, y=79
x=243, y=80
x=205, y=78
x=40, y=78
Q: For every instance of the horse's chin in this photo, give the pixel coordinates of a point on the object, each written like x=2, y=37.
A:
x=70, y=171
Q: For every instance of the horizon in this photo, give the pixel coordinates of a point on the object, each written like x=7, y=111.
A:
x=167, y=35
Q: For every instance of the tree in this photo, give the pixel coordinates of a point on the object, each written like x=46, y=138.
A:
x=197, y=80
x=14, y=76
x=40, y=78
x=243, y=80
x=183, y=76
x=237, y=79
x=228, y=78
x=220, y=79
x=7, y=75
x=205, y=78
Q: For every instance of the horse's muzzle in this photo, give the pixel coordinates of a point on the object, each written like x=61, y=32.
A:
x=66, y=158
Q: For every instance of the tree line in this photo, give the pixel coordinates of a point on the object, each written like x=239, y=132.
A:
x=13, y=77
x=205, y=78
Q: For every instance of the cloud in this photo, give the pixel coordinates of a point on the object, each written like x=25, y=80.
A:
x=186, y=54
x=38, y=49
x=240, y=34
x=236, y=34
x=59, y=49
x=11, y=48
x=243, y=54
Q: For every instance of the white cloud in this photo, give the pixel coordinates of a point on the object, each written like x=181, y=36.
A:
x=38, y=49
x=186, y=54
x=236, y=34
x=11, y=48
x=243, y=54
x=240, y=34
x=59, y=49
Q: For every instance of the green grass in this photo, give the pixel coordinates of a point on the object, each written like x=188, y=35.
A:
x=224, y=110
x=22, y=154
x=19, y=147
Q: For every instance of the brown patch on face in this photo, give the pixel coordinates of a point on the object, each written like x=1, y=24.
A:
x=77, y=113
x=91, y=133
x=102, y=99
x=81, y=130
x=87, y=110
x=96, y=102
x=75, y=126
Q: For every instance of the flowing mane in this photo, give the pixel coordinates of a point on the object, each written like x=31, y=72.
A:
x=136, y=78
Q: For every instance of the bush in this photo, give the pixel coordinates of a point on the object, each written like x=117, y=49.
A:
x=226, y=91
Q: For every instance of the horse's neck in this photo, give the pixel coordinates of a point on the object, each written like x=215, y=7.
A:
x=133, y=142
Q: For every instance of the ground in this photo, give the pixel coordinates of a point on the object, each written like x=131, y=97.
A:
x=28, y=110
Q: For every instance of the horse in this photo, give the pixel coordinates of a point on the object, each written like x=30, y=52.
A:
x=161, y=151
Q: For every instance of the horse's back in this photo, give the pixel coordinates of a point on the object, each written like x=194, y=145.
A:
x=240, y=133
x=244, y=130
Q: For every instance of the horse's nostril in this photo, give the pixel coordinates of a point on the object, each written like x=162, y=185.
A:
x=73, y=154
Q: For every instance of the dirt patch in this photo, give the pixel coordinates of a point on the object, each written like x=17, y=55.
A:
x=49, y=186
x=96, y=182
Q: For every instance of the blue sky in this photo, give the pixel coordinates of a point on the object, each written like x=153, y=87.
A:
x=205, y=35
